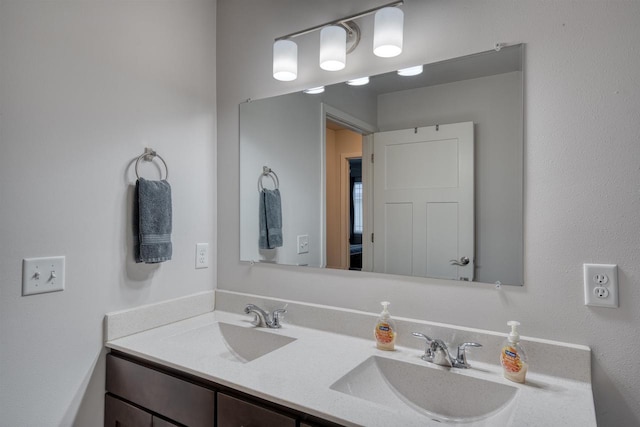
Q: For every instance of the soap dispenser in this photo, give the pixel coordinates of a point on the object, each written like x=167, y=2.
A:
x=385, y=330
x=512, y=356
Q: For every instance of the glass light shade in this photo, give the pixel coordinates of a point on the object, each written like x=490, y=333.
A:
x=387, y=32
x=411, y=71
x=358, y=82
x=333, y=48
x=285, y=60
x=314, y=90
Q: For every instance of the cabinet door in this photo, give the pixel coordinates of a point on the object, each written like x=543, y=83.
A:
x=233, y=412
x=118, y=413
x=159, y=422
x=169, y=396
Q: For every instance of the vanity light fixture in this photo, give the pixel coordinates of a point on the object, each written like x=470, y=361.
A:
x=411, y=71
x=387, y=32
x=339, y=38
x=333, y=48
x=285, y=60
x=314, y=90
x=358, y=82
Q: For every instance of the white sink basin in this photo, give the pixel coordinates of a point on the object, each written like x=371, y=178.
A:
x=441, y=395
x=246, y=344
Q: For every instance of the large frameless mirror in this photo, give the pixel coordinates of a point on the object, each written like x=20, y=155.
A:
x=418, y=175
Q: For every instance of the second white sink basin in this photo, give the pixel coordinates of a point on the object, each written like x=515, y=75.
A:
x=441, y=395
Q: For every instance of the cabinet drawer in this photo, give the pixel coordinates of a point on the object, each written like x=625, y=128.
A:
x=164, y=394
x=233, y=412
x=121, y=414
x=159, y=422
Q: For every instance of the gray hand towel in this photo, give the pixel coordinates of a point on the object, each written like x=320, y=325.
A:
x=270, y=219
x=154, y=221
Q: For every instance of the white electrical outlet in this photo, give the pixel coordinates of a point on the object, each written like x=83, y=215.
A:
x=303, y=244
x=601, y=285
x=41, y=275
x=202, y=255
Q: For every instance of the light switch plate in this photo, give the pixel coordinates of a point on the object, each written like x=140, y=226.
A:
x=42, y=275
x=601, y=285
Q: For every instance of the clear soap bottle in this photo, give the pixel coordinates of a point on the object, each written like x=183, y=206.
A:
x=385, y=330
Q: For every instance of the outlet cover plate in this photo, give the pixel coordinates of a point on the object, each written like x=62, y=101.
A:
x=202, y=255
x=601, y=285
x=303, y=244
x=42, y=275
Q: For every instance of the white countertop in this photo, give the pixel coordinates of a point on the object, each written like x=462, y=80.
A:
x=300, y=374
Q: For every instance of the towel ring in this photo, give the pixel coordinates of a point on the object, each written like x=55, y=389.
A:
x=267, y=171
x=148, y=156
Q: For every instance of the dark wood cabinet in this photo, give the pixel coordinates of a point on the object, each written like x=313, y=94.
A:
x=159, y=422
x=144, y=394
x=233, y=412
x=118, y=413
x=169, y=396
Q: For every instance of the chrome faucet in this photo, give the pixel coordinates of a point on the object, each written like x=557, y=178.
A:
x=264, y=319
x=436, y=351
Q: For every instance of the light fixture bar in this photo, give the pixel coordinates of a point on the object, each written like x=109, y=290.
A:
x=341, y=20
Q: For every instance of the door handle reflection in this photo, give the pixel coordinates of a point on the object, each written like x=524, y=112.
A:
x=462, y=262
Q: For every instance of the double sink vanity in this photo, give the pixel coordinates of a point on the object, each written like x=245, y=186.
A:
x=201, y=361
x=180, y=363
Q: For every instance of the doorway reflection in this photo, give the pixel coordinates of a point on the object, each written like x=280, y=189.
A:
x=344, y=197
x=355, y=214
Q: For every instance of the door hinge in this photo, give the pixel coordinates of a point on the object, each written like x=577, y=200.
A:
x=371, y=237
x=371, y=157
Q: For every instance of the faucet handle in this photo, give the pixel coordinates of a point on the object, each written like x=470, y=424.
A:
x=461, y=359
x=277, y=316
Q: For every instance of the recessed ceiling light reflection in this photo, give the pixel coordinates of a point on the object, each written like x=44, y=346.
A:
x=358, y=82
x=411, y=71
x=314, y=90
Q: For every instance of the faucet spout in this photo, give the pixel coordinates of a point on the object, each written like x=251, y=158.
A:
x=264, y=319
x=436, y=351
x=440, y=353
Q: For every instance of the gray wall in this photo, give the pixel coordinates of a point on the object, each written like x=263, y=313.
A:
x=284, y=134
x=84, y=87
x=581, y=144
x=494, y=105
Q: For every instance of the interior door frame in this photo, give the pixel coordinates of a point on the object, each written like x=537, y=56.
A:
x=366, y=130
x=345, y=191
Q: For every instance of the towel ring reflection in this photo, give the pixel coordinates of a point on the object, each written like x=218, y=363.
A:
x=148, y=156
x=267, y=171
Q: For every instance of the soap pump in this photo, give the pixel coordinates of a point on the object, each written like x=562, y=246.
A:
x=385, y=330
x=512, y=356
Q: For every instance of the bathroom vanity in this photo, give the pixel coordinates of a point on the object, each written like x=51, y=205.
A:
x=141, y=393
x=216, y=368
